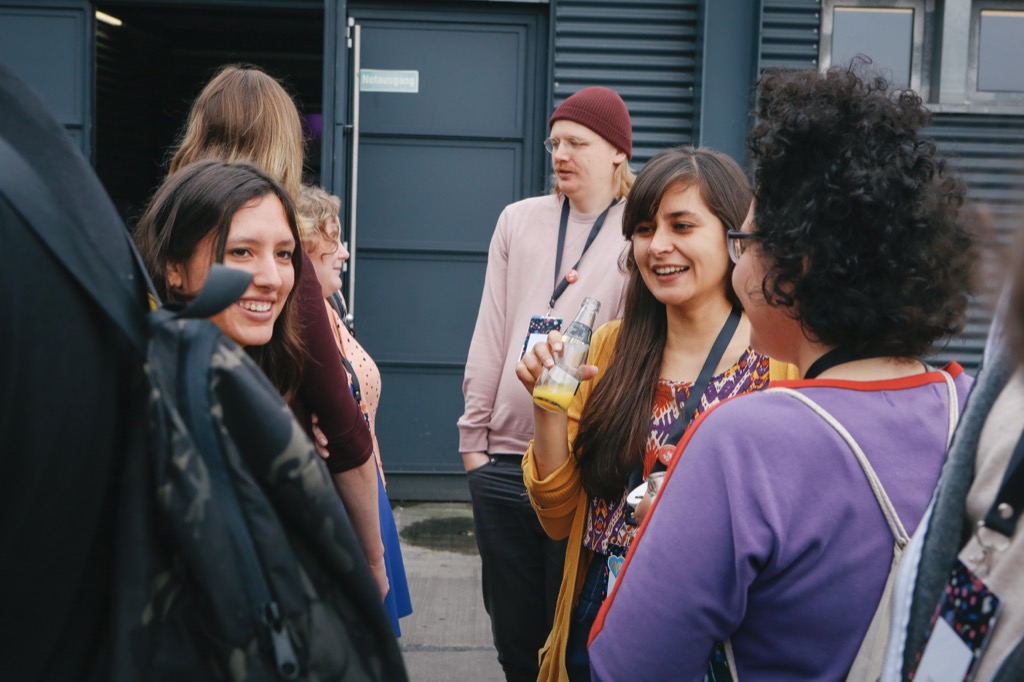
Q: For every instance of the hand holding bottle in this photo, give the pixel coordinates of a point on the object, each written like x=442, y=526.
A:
x=552, y=371
x=543, y=356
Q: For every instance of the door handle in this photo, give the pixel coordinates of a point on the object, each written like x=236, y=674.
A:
x=354, y=174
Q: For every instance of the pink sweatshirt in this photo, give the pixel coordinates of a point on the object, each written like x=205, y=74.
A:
x=518, y=285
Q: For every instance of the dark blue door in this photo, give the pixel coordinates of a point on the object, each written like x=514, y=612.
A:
x=50, y=46
x=437, y=161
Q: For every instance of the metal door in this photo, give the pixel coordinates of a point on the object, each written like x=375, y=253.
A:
x=50, y=46
x=450, y=123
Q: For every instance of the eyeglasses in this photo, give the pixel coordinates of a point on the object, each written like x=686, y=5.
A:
x=571, y=143
x=737, y=242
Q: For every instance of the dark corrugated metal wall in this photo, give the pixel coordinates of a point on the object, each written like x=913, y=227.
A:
x=789, y=33
x=647, y=53
x=987, y=149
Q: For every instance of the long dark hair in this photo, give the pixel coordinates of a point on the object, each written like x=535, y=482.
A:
x=198, y=201
x=616, y=420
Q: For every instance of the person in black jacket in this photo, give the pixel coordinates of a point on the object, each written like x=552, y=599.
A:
x=71, y=408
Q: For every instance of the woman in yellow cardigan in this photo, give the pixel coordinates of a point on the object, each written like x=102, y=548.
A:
x=682, y=345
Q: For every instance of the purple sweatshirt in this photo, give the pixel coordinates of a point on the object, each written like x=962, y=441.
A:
x=766, y=532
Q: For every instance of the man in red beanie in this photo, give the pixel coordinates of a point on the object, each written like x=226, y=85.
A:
x=547, y=254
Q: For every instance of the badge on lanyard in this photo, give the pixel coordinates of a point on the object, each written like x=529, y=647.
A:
x=540, y=325
x=960, y=628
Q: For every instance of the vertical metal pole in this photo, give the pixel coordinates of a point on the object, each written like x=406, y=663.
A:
x=354, y=178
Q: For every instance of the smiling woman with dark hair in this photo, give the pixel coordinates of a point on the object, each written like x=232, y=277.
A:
x=681, y=347
x=215, y=212
x=244, y=114
x=852, y=262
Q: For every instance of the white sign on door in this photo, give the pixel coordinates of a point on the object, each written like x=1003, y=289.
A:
x=383, y=80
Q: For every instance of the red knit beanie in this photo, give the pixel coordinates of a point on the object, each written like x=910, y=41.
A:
x=601, y=110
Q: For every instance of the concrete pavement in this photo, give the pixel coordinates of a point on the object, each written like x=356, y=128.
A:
x=448, y=636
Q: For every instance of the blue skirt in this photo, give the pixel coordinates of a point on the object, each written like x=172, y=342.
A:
x=397, y=602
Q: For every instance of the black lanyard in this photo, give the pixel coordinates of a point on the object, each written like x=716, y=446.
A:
x=563, y=228
x=836, y=356
x=1005, y=511
x=699, y=386
x=338, y=303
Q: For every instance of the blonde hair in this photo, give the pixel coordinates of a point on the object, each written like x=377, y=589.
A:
x=316, y=212
x=624, y=177
x=243, y=114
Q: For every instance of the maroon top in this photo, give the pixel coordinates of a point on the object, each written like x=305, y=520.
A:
x=323, y=390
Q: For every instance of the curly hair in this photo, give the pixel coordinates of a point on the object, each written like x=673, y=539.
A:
x=858, y=216
x=317, y=214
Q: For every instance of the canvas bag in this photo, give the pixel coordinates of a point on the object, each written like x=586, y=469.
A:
x=235, y=560
x=867, y=665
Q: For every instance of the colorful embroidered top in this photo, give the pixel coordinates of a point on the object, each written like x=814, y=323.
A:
x=606, y=531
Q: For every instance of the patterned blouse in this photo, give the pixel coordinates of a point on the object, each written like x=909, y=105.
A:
x=606, y=531
x=366, y=372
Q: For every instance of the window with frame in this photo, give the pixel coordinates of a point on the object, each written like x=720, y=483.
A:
x=994, y=70
x=891, y=33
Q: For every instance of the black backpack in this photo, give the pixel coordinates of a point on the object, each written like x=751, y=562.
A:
x=235, y=559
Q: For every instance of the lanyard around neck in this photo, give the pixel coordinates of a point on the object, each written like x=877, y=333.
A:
x=836, y=356
x=703, y=379
x=563, y=228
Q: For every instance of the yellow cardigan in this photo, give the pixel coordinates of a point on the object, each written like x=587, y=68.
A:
x=561, y=505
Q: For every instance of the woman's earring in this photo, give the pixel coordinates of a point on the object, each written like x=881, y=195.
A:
x=174, y=276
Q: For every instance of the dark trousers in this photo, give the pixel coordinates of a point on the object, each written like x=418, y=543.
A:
x=522, y=566
x=595, y=589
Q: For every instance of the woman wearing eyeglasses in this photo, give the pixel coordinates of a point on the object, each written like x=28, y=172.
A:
x=681, y=346
x=766, y=534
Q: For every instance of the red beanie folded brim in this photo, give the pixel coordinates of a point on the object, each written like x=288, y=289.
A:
x=601, y=110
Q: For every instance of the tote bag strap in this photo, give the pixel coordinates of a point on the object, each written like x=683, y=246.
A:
x=899, y=533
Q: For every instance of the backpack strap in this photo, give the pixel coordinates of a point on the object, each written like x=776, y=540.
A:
x=899, y=532
x=223, y=287
x=868, y=662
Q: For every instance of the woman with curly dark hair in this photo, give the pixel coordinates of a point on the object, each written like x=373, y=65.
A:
x=853, y=261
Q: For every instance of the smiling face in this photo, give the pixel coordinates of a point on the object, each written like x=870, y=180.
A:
x=260, y=242
x=328, y=258
x=587, y=170
x=681, y=254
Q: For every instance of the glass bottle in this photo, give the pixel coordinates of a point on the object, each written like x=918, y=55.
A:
x=556, y=387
